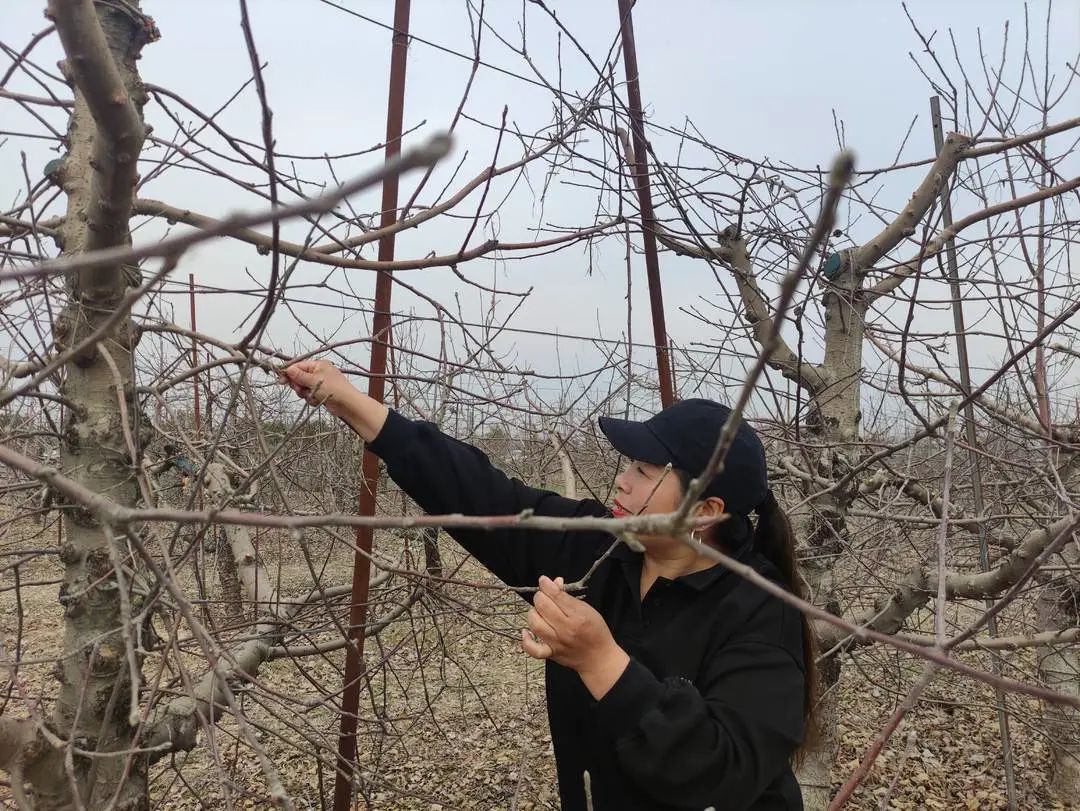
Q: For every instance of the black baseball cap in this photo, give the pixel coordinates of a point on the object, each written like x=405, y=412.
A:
x=684, y=435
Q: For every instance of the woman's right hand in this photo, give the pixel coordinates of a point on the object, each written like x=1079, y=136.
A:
x=319, y=382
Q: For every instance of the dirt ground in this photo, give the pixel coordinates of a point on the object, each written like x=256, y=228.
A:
x=454, y=717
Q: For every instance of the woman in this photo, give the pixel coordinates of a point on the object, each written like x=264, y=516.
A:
x=673, y=683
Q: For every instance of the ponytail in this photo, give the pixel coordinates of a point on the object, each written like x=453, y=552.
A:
x=775, y=541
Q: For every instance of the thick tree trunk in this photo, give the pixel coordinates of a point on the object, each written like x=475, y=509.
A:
x=94, y=705
x=1059, y=669
x=231, y=599
x=833, y=424
x=219, y=491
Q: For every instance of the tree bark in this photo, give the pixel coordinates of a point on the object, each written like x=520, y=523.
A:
x=432, y=558
x=1059, y=669
x=105, y=134
x=833, y=424
x=218, y=492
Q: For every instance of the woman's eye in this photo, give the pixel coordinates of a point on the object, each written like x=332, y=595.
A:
x=640, y=470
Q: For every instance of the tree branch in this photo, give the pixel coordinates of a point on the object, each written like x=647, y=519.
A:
x=938, y=243
x=888, y=615
x=265, y=243
x=1064, y=636
x=481, y=179
x=733, y=254
x=864, y=258
x=424, y=155
x=91, y=67
x=569, y=479
x=1059, y=433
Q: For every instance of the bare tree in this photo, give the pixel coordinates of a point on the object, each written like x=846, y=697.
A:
x=97, y=703
x=868, y=296
x=130, y=440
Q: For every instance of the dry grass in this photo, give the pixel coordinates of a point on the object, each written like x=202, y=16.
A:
x=454, y=717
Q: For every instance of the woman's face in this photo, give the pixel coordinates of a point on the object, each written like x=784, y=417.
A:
x=644, y=489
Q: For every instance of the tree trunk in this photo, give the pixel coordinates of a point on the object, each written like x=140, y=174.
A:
x=833, y=424
x=94, y=703
x=1059, y=669
x=219, y=491
x=432, y=559
x=228, y=578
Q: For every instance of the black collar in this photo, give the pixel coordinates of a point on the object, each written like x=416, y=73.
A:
x=631, y=563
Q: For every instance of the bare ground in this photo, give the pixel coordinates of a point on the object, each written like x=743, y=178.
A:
x=454, y=717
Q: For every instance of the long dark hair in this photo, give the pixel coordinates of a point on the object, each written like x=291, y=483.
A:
x=775, y=541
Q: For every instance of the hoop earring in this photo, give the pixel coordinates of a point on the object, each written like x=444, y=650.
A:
x=694, y=536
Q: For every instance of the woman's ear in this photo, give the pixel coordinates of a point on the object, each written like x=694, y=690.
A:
x=712, y=508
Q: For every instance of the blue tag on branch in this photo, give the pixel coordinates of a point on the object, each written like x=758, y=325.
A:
x=834, y=266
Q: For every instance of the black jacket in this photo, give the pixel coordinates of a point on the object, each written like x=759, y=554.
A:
x=710, y=709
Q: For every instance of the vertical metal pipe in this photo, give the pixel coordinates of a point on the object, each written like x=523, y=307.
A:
x=354, y=653
x=969, y=434
x=194, y=353
x=644, y=192
x=255, y=602
x=209, y=392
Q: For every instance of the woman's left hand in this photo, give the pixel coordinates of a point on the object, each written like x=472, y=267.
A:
x=571, y=632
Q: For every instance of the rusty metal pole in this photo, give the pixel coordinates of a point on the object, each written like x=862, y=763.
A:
x=194, y=352
x=208, y=391
x=644, y=192
x=199, y=556
x=354, y=653
x=969, y=435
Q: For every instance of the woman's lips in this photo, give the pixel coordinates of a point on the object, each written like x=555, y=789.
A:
x=618, y=511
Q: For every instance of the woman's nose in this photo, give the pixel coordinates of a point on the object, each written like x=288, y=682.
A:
x=620, y=483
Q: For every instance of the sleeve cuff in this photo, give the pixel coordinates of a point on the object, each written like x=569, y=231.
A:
x=634, y=694
x=397, y=433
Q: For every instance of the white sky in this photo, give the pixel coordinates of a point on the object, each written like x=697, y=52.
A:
x=761, y=79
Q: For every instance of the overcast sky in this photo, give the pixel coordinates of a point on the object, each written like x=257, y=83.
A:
x=765, y=79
